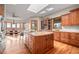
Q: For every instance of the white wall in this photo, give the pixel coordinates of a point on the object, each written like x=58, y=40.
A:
x=71, y=28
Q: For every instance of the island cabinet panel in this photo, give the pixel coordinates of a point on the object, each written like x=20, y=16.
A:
x=49, y=41
x=40, y=44
x=30, y=42
x=57, y=36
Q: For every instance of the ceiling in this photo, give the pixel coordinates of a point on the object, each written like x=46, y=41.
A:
x=21, y=10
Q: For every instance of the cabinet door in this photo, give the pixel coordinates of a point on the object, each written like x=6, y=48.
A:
x=62, y=37
x=74, y=39
x=74, y=17
x=57, y=36
x=65, y=37
x=50, y=41
x=77, y=17
x=65, y=20
x=1, y=9
x=77, y=39
x=44, y=43
x=40, y=44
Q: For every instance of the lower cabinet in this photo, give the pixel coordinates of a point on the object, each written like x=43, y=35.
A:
x=65, y=37
x=49, y=42
x=57, y=36
x=74, y=39
x=40, y=44
x=77, y=38
x=71, y=38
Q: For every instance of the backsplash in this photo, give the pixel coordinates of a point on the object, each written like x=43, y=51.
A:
x=70, y=28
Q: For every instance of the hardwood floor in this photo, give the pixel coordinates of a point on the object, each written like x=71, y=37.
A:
x=62, y=48
x=15, y=45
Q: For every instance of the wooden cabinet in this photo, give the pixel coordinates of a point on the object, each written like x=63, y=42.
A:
x=74, y=39
x=50, y=41
x=71, y=38
x=40, y=44
x=57, y=36
x=74, y=17
x=65, y=20
x=65, y=37
x=71, y=19
x=77, y=38
x=1, y=9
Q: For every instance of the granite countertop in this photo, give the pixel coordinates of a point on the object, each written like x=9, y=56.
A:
x=41, y=33
x=64, y=30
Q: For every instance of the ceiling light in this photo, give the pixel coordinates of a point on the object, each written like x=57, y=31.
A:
x=42, y=12
x=49, y=9
x=36, y=7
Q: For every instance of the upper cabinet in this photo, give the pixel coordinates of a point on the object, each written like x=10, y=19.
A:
x=71, y=19
x=65, y=20
x=74, y=16
x=1, y=9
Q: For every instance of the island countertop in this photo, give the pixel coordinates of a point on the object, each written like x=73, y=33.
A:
x=41, y=33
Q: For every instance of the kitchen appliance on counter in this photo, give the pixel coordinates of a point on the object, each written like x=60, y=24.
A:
x=2, y=36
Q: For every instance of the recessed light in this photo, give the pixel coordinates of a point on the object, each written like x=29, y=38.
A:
x=49, y=9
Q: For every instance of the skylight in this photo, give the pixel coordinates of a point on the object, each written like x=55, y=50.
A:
x=36, y=7
x=42, y=12
x=49, y=9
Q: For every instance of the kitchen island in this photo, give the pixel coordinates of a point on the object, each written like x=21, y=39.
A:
x=39, y=42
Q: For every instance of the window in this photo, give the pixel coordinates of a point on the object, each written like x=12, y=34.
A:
x=8, y=25
x=18, y=25
x=13, y=25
